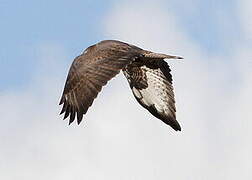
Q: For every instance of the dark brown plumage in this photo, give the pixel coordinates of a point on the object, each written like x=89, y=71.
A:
x=147, y=73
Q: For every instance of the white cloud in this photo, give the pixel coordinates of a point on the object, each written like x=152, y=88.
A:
x=118, y=139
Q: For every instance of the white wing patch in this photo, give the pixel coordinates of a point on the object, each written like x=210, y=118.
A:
x=158, y=93
x=151, y=85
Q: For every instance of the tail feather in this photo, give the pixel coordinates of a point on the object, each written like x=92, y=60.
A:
x=160, y=56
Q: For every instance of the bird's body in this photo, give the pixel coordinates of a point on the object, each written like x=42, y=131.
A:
x=147, y=73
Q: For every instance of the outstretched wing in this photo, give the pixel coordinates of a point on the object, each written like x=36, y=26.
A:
x=151, y=85
x=90, y=71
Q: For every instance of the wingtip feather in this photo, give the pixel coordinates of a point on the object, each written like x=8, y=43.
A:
x=173, y=123
x=72, y=115
x=61, y=100
x=66, y=113
x=63, y=108
x=79, y=117
x=177, y=128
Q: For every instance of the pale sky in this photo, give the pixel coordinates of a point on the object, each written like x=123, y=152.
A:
x=118, y=139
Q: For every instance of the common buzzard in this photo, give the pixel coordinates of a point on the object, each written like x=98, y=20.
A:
x=147, y=73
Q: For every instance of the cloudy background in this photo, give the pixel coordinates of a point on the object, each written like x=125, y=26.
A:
x=118, y=139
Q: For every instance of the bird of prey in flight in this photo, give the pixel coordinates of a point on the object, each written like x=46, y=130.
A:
x=147, y=73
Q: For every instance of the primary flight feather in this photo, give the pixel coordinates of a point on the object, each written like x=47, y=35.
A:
x=147, y=73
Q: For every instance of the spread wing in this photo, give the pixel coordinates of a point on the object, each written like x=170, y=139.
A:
x=90, y=71
x=151, y=84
